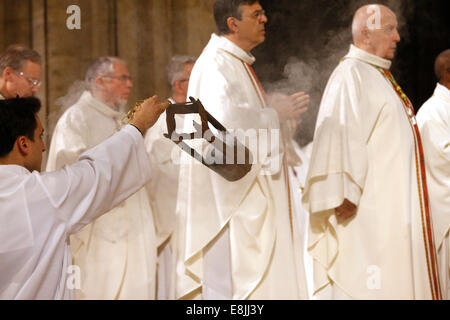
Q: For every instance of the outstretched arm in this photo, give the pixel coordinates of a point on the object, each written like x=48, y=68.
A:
x=105, y=175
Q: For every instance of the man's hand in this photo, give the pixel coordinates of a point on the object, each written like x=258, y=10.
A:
x=289, y=107
x=148, y=113
x=346, y=210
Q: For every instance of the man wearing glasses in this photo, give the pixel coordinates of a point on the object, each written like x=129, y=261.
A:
x=238, y=240
x=116, y=253
x=20, y=69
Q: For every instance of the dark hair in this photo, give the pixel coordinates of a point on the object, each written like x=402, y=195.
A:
x=15, y=56
x=223, y=9
x=17, y=118
x=442, y=64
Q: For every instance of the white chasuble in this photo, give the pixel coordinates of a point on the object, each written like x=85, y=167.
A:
x=366, y=150
x=250, y=219
x=434, y=123
x=117, y=252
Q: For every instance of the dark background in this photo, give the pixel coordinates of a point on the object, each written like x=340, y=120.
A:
x=316, y=34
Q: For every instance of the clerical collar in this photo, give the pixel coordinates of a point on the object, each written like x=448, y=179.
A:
x=220, y=42
x=442, y=92
x=367, y=57
x=100, y=106
x=2, y=97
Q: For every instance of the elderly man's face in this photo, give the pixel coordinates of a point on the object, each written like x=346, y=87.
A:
x=24, y=82
x=384, y=40
x=251, y=27
x=117, y=86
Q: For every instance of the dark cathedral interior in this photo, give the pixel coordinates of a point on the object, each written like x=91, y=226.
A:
x=318, y=34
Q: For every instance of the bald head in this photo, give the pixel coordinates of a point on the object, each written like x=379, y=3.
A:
x=369, y=18
x=442, y=68
x=374, y=30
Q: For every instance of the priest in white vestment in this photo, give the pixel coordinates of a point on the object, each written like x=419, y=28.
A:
x=238, y=240
x=41, y=210
x=117, y=252
x=371, y=232
x=163, y=188
x=434, y=122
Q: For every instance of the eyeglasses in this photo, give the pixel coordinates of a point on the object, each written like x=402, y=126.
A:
x=33, y=82
x=258, y=14
x=123, y=78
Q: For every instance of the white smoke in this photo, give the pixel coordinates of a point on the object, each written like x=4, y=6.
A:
x=73, y=94
x=321, y=55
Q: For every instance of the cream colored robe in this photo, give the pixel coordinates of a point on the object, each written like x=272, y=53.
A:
x=251, y=218
x=297, y=176
x=365, y=150
x=117, y=252
x=434, y=122
x=162, y=191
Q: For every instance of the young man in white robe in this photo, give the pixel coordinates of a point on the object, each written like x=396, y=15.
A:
x=238, y=240
x=433, y=119
x=117, y=252
x=163, y=188
x=371, y=233
x=41, y=210
x=20, y=72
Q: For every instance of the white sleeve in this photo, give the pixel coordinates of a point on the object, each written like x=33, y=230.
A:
x=102, y=178
x=224, y=97
x=339, y=158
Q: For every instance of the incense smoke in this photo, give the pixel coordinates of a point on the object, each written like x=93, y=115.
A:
x=317, y=44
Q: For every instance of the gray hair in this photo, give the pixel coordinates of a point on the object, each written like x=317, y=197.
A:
x=16, y=55
x=176, y=68
x=100, y=67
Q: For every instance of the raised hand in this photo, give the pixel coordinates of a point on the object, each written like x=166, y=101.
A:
x=289, y=107
x=147, y=113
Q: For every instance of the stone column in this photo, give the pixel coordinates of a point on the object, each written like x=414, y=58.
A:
x=15, y=26
x=145, y=33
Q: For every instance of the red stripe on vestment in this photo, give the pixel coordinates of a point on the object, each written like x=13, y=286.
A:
x=427, y=225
